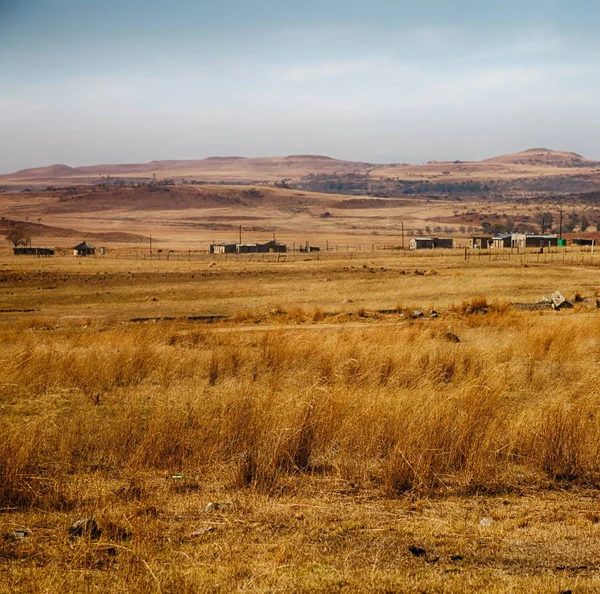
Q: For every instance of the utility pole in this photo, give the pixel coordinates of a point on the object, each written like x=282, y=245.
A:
x=403, y=235
x=560, y=226
x=151, y=246
x=240, y=235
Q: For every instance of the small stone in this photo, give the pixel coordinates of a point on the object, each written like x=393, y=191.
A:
x=217, y=505
x=433, y=313
x=85, y=527
x=417, y=551
x=451, y=337
x=348, y=301
x=18, y=535
x=416, y=314
x=456, y=558
x=591, y=302
x=486, y=522
x=202, y=532
x=558, y=300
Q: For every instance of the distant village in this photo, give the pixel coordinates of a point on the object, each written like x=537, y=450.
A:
x=274, y=246
x=506, y=240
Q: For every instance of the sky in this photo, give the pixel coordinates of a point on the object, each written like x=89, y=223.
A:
x=121, y=81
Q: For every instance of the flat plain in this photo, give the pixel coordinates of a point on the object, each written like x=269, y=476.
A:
x=291, y=422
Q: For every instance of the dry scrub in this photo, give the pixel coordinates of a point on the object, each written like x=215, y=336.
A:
x=399, y=410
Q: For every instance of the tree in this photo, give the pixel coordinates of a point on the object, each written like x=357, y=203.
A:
x=584, y=223
x=544, y=220
x=17, y=237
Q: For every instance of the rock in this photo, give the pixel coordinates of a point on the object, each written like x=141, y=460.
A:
x=451, y=337
x=559, y=301
x=85, y=527
x=18, y=534
x=202, y=532
x=591, y=302
x=417, y=551
x=433, y=313
x=486, y=522
x=348, y=301
x=456, y=558
x=533, y=306
x=416, y=314
x=217, y=505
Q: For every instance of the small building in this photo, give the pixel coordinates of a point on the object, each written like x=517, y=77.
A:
x=429, y=243
x=84, y=249
x=307, y=249
x=480, y=242
x=231, y=247
x=227, y=247
x=247, y=248
x=502, y=241
x=421, y=243
x=443, y=242
x=33, y=251
x=548, y=240
x=273, y=246
x=582, y=241
x=522, y=240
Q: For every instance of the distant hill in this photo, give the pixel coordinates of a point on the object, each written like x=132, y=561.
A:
x=540, y=156
x=536, y=169
x=215, y=169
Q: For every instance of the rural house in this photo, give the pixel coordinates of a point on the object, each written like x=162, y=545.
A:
x=429, y=243
x=480, y=242
x=273, y=246
x=548, y=240
x=84, y=249
x=231, y=247
x=521, y=240
x=33, y=251
x=227, y=247
x=502, y=241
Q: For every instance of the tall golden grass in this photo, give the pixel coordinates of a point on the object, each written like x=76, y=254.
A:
x=397, y=409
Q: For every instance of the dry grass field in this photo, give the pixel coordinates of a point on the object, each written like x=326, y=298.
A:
x=317, y=439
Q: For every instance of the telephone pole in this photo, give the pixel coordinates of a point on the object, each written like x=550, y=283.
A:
x=560, y=226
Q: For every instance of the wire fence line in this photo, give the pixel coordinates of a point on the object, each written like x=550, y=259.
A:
x=572, y=255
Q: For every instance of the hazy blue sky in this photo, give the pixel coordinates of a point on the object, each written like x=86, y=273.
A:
x=90, y=81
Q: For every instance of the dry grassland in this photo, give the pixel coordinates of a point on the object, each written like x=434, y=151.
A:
x=347, y=450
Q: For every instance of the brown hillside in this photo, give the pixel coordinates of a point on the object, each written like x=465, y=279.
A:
x=39, y=231
x=540, y=156
x=235, y=169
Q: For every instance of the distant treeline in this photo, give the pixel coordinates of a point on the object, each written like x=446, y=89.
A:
x=361, y=184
